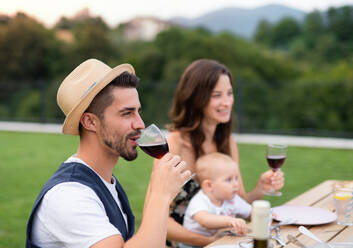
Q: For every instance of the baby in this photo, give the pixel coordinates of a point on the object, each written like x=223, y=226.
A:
x=217, y=205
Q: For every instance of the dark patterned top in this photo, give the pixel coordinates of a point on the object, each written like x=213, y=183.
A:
x=181, y=201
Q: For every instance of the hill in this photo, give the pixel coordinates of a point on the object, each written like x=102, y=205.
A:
x=240, y=21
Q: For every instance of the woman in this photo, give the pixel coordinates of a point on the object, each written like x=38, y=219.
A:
x=201, y=117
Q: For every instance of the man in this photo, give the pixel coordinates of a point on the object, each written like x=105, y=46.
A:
x=83, y=204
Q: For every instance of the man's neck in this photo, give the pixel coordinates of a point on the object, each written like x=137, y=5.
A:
x=98, y=158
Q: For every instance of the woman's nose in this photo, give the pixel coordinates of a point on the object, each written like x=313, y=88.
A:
x=227, y=100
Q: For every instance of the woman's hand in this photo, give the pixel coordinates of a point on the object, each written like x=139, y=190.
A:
x=270, y=180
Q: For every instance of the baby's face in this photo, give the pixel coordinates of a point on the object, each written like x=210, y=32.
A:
x=225, y=183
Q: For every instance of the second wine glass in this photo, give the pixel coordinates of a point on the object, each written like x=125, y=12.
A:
x=276, y=155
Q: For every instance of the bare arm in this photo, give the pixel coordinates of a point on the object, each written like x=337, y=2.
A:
x=213, y=221
x=178, y=233
x=153, y=228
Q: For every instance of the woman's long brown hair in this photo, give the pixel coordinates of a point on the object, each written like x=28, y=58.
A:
x=191, y=97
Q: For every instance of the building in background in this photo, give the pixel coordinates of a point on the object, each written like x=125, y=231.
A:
x=144, y=28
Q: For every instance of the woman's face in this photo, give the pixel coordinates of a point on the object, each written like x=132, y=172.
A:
x=219, y=108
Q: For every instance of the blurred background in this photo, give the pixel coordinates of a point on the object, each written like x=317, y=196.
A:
x=292, y=62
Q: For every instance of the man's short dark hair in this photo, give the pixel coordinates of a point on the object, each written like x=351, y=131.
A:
x=104, y=98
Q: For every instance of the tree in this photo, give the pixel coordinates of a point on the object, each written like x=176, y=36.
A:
x=313, y=28
x=284, y=32
x=92, y=40
x=25, y=46
x=28, y=51
x=340, y=23
x=263, y=32
x=65, y=23
x=4, y=19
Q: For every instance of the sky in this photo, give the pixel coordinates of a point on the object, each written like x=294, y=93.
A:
x=118, y=11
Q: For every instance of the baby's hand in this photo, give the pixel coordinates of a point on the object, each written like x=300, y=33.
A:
x=238, y=225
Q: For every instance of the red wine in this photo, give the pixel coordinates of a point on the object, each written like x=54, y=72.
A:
x=275, y=161
x=260, y=243
x=155, y=150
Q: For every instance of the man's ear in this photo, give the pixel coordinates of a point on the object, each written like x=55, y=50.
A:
x=89, y=121
x=207, y=185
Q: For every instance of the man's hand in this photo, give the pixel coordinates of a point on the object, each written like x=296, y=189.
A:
x=169, y=175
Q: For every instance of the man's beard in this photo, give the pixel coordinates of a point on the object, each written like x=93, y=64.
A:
x=118, y=143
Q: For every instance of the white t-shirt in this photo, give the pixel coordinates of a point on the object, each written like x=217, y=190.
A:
x=72, y=215
x=237, y=207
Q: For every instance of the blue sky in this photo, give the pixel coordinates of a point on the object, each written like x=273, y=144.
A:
x=116, y=11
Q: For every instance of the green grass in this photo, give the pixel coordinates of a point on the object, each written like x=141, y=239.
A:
x=29, y=159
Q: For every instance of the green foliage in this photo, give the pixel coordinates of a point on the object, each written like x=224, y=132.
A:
x=25, y=46
x=51, y=109
x=272, y=75
x=81, y=20
x=29, y=105
x=161, y=62
x=340, y=23
x=29, y=54
x=321, y=38
x=174, y=49
x=4, y=111
x=92, y=40
x=64, y=23
x=284, y=32
x=263, y=32
x=320, y=110
x=313, y=27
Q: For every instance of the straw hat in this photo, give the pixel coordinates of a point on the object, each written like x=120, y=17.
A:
x=79, y=88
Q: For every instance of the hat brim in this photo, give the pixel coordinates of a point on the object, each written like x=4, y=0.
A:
x=72, y=119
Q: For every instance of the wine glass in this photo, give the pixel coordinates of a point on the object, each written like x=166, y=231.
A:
x=153, y=142
x=275, y=154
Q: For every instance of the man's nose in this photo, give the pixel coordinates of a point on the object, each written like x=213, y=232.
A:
x=138, y=123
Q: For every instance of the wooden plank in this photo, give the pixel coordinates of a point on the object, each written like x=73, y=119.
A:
x=326, y=203
x=346, y=234
x=326, y=232
x=291, y=246
x=313, y=195
x=226, y=240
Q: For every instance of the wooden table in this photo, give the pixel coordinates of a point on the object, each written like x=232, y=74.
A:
x=319, y=196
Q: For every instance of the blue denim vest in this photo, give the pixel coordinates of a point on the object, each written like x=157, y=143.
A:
x=76, y=172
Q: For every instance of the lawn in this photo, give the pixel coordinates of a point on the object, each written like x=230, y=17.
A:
x=28, y=160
